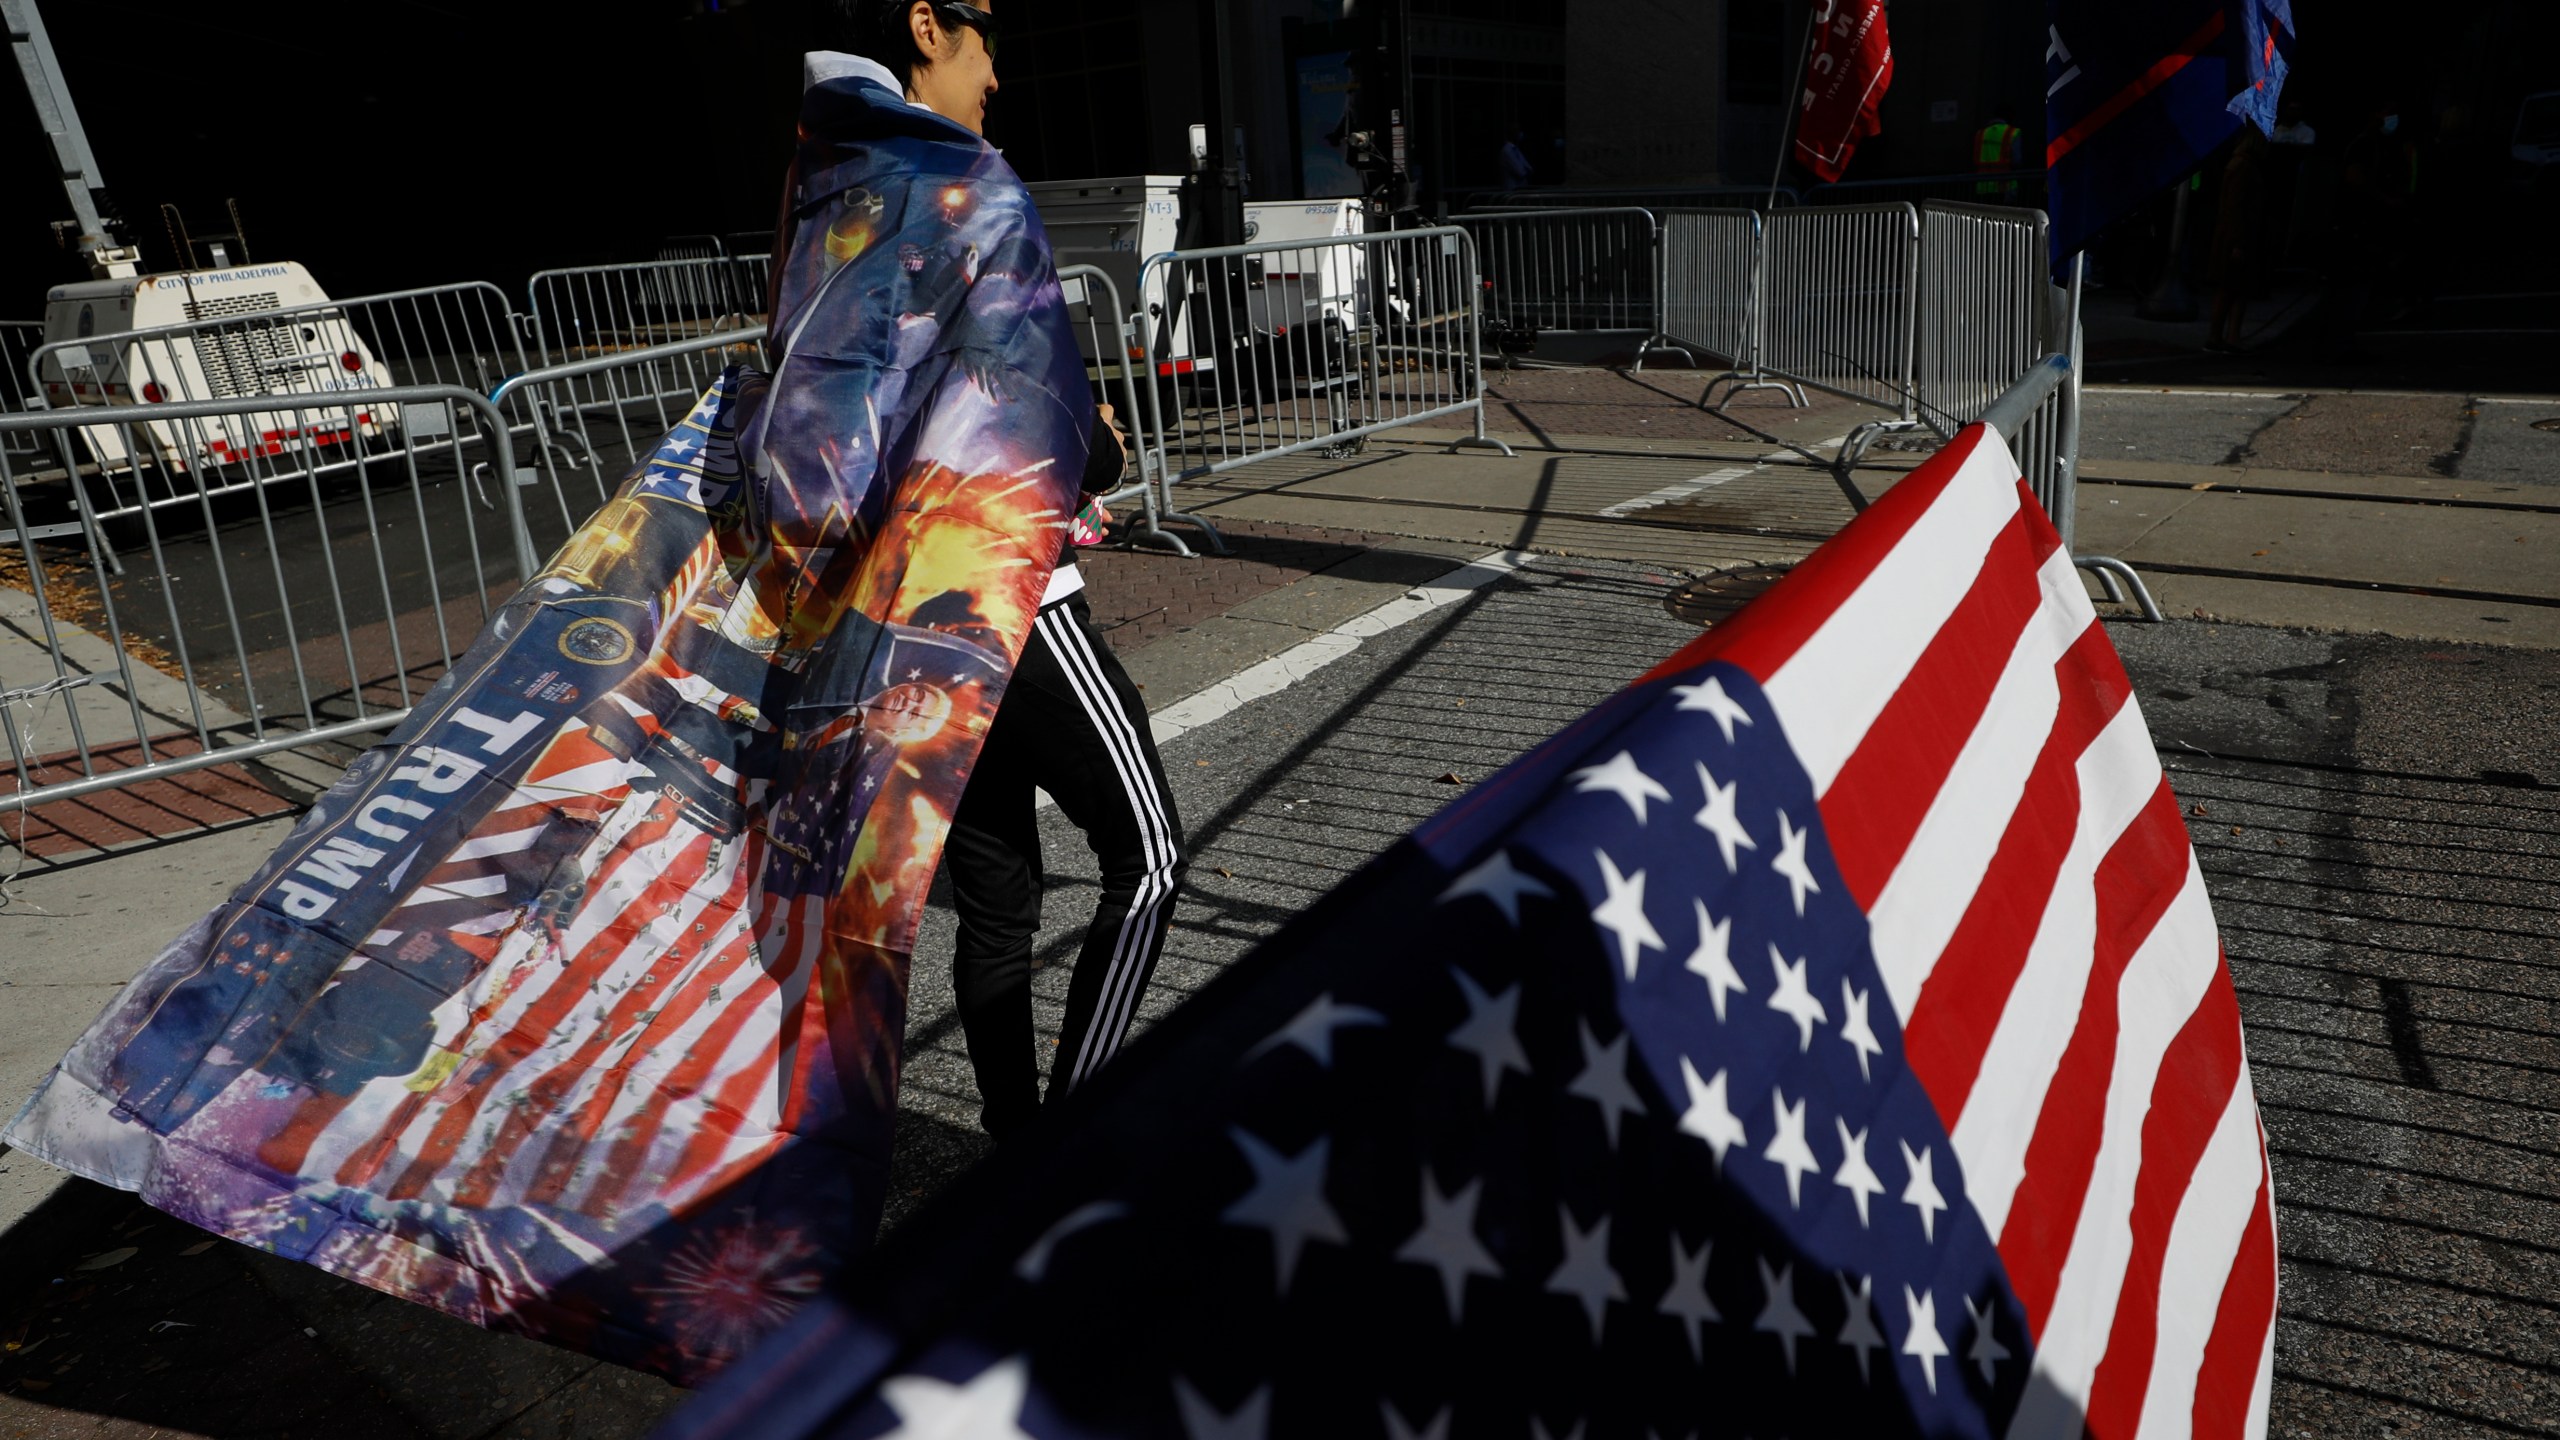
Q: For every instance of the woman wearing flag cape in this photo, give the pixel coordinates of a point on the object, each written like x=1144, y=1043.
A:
x=576, y=1007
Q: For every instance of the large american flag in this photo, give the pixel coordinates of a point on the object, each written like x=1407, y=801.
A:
x=1827, y=1035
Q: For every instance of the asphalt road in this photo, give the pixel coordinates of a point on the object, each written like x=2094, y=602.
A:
x=2465, y=436
x=2382, y=864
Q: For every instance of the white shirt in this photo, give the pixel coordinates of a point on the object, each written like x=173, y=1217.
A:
x=819, y=66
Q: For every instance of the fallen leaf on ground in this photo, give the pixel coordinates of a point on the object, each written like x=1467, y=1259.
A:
x=107, y=1258
x=1451, y=779
x=2205, y=486
x=1223, y=870
x=197, y=1248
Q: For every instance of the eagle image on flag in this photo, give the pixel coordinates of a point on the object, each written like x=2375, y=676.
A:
x=575, y=1008
x=1827, y=1035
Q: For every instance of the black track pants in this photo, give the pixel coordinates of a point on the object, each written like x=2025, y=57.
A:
x=1071, y=723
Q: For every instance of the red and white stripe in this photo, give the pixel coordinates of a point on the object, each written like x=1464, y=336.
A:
x=1995, y=804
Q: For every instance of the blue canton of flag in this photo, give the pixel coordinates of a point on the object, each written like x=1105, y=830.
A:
x=1583, y=1113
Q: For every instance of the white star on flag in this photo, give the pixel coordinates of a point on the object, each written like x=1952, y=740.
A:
x=1986, y=1349
x=1708, y=695
x=1787, y=1149
x=1922, y=1191
x=1860, y=1333
x=1287, y=1200
x=1623, y=914
x=1712, y=961
x=1718, y=818
x=1447, y=1241
x=682, y=444
x=1923, y=1341
x=989, y=1406
x=1603, y=1081
x=1621, y=777
x=1312, y=1029
x=1250, y=1420
x=1854, y=1027
x=1791, y=862
x=1397, y=1429
x=1585, y=1274
x=1487, y=1033
x=1779, y=1315
x=1794, y=998
x=1686, y=1299
x=1498, y=881
x=1855, y=1175
x=1708, y=1116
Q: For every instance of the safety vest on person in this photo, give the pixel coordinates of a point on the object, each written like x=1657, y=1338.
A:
x=1994, y=149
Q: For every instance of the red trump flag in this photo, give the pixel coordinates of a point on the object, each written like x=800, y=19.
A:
x=1847, y=67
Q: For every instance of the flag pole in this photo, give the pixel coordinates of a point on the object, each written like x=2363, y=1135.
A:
x=1793, y=90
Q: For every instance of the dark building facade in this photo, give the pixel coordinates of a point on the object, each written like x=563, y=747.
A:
x=1628, y=93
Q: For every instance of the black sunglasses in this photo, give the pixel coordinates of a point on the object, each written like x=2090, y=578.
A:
x=970, y=15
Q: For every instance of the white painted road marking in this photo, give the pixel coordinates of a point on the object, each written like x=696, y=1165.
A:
x=1296, y=663
x=1682, y=489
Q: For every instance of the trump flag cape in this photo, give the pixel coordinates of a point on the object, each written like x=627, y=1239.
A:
x=575, y=1008
x=1828, y=1035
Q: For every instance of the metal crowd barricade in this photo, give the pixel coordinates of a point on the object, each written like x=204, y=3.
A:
x=592, y=310
x=18, y=341
x=1984, y=315
x=1838, y=292
x=337, y=360
x=1273, y=349
x=1711, y=291
x=599, y=311
x=288, y=612
x=594, y=418
x=1572, y=272
x=1111, y=356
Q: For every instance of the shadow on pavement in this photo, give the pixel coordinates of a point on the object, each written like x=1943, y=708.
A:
x=117, y=1320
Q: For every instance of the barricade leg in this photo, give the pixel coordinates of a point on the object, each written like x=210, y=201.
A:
x=1854, y=447
x=1660, y=341
x=2110, y=571
x=1752, y=381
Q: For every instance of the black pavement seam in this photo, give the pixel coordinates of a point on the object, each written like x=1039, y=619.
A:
x=2243, y=487
x=2330, y=582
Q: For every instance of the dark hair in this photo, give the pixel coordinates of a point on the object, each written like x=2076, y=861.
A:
x=877, y=30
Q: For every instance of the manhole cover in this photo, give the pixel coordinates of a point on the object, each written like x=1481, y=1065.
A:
x=2551, y=424
x=1710, y=600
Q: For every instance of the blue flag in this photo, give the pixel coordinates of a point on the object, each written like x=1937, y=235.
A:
x=1827, y=1035
x=2137, y=95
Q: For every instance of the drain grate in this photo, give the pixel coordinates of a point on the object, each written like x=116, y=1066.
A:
x=1710, y=600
